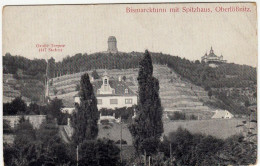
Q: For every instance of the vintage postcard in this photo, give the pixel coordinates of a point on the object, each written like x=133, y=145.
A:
x=166, y=84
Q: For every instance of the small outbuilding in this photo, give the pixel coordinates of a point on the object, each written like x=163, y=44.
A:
x=222, y=114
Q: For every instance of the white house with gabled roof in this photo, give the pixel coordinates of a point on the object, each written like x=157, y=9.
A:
x=222, y=114
x=112, y=93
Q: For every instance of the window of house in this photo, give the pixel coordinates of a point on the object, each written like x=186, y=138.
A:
x=126, y=90
x=105, y=81
x=113, y=101
x=128, y=101
x=99, y=101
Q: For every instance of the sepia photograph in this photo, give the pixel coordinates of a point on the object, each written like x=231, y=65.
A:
x=160, y=84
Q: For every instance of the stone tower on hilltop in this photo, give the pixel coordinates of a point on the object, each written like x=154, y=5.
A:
x=112, y=44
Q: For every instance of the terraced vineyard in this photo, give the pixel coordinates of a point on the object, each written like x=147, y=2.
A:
x=182, y=96
x=176, y=94
x=29, y=89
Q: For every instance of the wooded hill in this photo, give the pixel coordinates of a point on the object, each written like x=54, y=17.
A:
x=226, y=75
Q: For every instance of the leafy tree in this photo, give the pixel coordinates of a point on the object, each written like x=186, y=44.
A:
x=84, y=120
x=35, y=67
x=17, y=106
x=191, y=149
x=50, y=148
x=237, y=151
x=33, y=109
x=199, y=149
x=177, y=116
x=24, y=133
x=124, y=78
x=6, y=127
x=10, y=154
x=37, y=147
x=22, y=150
x=197, y=62
x=7, y=109
x=247, y=103
x=98, y=152
x=147, y=126
x=54, y=109
x=95, y=75
x=125, y=113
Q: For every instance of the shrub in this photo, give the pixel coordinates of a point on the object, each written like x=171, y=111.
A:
x=106, y=127
x=177, y=116
x=104, y=122
x=199, y=149
x=123, y=142
x=6, y=127
x=193, y=117
x=98, y=152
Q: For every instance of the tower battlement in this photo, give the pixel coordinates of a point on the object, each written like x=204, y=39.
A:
x=112, y=44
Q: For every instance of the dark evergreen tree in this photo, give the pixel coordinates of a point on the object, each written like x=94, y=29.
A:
x=147, y=127
x=84, y=120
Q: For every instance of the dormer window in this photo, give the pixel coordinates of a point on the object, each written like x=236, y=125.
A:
x=126, y=90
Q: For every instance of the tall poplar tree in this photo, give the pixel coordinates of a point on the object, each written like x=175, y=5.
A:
x=51, y=68
x=147, y=127
x=84, y=120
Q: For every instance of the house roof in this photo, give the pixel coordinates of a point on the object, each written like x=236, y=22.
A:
x=212, y=55
x=119, y=87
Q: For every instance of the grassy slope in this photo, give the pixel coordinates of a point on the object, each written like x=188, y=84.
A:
x=220, y=128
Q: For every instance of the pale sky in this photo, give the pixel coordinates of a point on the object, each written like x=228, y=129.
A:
x=86, y=28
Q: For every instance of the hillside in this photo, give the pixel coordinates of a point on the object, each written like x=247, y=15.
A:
x=237, y=80
x=30, y=89
x=176, y=94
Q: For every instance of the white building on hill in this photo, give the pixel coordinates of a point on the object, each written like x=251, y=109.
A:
x=222, y=114
x=112, y=93
x=212, y=59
